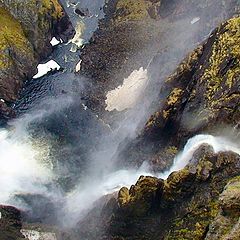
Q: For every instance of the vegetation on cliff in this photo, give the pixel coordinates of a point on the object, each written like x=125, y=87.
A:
x=200, y=201
x=25, y=33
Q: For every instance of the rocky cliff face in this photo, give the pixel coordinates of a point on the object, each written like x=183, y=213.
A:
x=201, y=95
x=200, y=201
x=26, y=30
x=134, y=32
x=10, y=223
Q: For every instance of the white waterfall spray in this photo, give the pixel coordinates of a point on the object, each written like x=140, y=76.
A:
x=24, y=170
x=83, y=198
x=219, y=144
x=21, y=169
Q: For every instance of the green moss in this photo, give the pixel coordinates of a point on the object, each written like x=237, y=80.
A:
x=194, y=225
x=123, y=196
x=132, y=9
x=171, y=150
x=186, y=65
x=53, y=7
x=227, y=45
x=153, y=120
x=11, y=36
x=174, y=96
x=138, y=199
x=235, y=180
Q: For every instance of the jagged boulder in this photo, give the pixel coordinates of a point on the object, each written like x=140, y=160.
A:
x=10, y=223
x=138, y=200
x=226, y=225
x=184, y=205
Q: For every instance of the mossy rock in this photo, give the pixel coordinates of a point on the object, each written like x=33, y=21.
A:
x=139, y=199
x=130, y=10
x=226, y=224
x=15, y=51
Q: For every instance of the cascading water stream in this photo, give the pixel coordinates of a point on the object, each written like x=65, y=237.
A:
x=27, y=171
x=28, y=164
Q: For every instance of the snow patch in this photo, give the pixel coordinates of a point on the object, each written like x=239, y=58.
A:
x=44, y=68
x=195, y=20
x=78, y=66
x=84, y=107
x=54, y=41
x=128, y=94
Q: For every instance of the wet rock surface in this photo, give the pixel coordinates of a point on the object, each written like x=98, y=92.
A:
x=189, y=204
x=200, y=201
x=201, y=95
x=130, y=36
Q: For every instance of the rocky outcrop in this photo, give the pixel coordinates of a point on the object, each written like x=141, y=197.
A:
x=202, y=95
x=10, y=223
x=188, y=205
x=200, y=201
x=25, y=33
x=133, y=32
x=226, y=224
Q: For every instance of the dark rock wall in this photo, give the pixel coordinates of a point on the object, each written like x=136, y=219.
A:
x=27, y=28
x=202, y=95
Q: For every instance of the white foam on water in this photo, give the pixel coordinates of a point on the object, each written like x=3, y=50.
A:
x=45, y=68
x=219, y=144
x=128, y=94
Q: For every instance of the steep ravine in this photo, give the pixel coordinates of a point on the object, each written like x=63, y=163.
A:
x=26, y=31
x=153, y=92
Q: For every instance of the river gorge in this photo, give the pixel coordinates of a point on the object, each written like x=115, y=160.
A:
x=119, y=120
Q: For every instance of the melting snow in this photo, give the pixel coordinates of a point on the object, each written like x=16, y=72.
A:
x=77, y=40
x=54, y=41
x=195, y=20
x=44, y=68
x=84, y=107
x=78, y=66
x=127, y=95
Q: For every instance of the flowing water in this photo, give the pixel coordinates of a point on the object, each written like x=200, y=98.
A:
x=57, y=151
